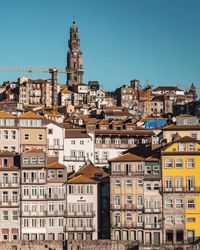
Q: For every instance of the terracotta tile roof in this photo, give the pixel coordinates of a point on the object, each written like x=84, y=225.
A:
x=4, y=114
x=51, y=159
x=90, y=171
x=139, y=132
x=151, y=158
x=30, y=115
x=56, y=165
x=75, y=134
x=167, y=88
x=104, y=122
x=115, y=108
x=187, y=139
x=91, y=121
x=11, y=168
x=5, y=153
x=128, y=157
x=173, y=127
x=33, y=150
x=118, y=113
x=81, y=179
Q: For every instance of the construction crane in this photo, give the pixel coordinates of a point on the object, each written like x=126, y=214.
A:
x=43, y=69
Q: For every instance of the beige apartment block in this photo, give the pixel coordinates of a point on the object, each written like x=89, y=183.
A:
x=33, y=93
x=127, y=197
x=32, y=132
x=10, y=201
x=135, y=199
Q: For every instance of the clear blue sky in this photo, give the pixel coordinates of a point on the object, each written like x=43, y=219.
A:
x=155, y=40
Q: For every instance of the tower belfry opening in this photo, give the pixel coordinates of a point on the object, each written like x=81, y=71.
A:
x=74, y=57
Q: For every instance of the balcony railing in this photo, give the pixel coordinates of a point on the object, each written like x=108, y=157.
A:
x=122, y=173
x=8, y=184
x=54, y=197
x=55, y=147
x=80, y=214
x=152, y=226
x=142, y=225
x=126, y=207
x=80, y=228
x=101, y=161
x=74, y=158
x=152, y=210
x=113, y=145
x=180, y=190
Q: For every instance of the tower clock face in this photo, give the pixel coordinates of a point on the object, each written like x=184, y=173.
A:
x=74, y=53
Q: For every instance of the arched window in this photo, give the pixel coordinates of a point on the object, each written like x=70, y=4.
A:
x=117, y=201
x=125, y=235
x=117, y=235
x=133, y=235
x=140, y=236
x=117, y=183
x=131, y=141
x=117, y=220
x=117, y=141
x=107, y=140
x=98, y=140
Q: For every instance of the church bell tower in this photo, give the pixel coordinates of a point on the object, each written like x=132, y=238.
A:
x=74, y=57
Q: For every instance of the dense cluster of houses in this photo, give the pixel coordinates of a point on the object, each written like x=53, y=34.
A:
x=93, y=164
x=88, y=178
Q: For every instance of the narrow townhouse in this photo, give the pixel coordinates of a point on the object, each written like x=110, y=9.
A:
x=181, y=192
x=127, y=197
x=33, y=202
x=152, y=202
x=32, y=132
x=10, y=202
x=9, y=132
x=56, y=201
x=55, y=139
x=78, y=148
x=87, y=195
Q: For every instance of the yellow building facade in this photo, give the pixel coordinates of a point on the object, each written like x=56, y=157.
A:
x=181, y=191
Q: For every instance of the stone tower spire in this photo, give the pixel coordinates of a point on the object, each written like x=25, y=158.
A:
x=74, y=57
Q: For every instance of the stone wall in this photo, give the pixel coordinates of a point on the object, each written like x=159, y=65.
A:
x=101, y=245
x=32, y=245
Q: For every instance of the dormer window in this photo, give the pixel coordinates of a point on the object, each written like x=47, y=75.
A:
x=40, y=160
x=182, y=146
x=60, y=173
x=33, y=160
x=25, y=160
x=191, y=147
x=98, y=140
x=186, y=122
x=107, y=140
x=131, y=141
x=117, y=141
x=194, y=136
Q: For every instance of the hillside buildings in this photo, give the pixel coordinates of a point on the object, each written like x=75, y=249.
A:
x=117, y=165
